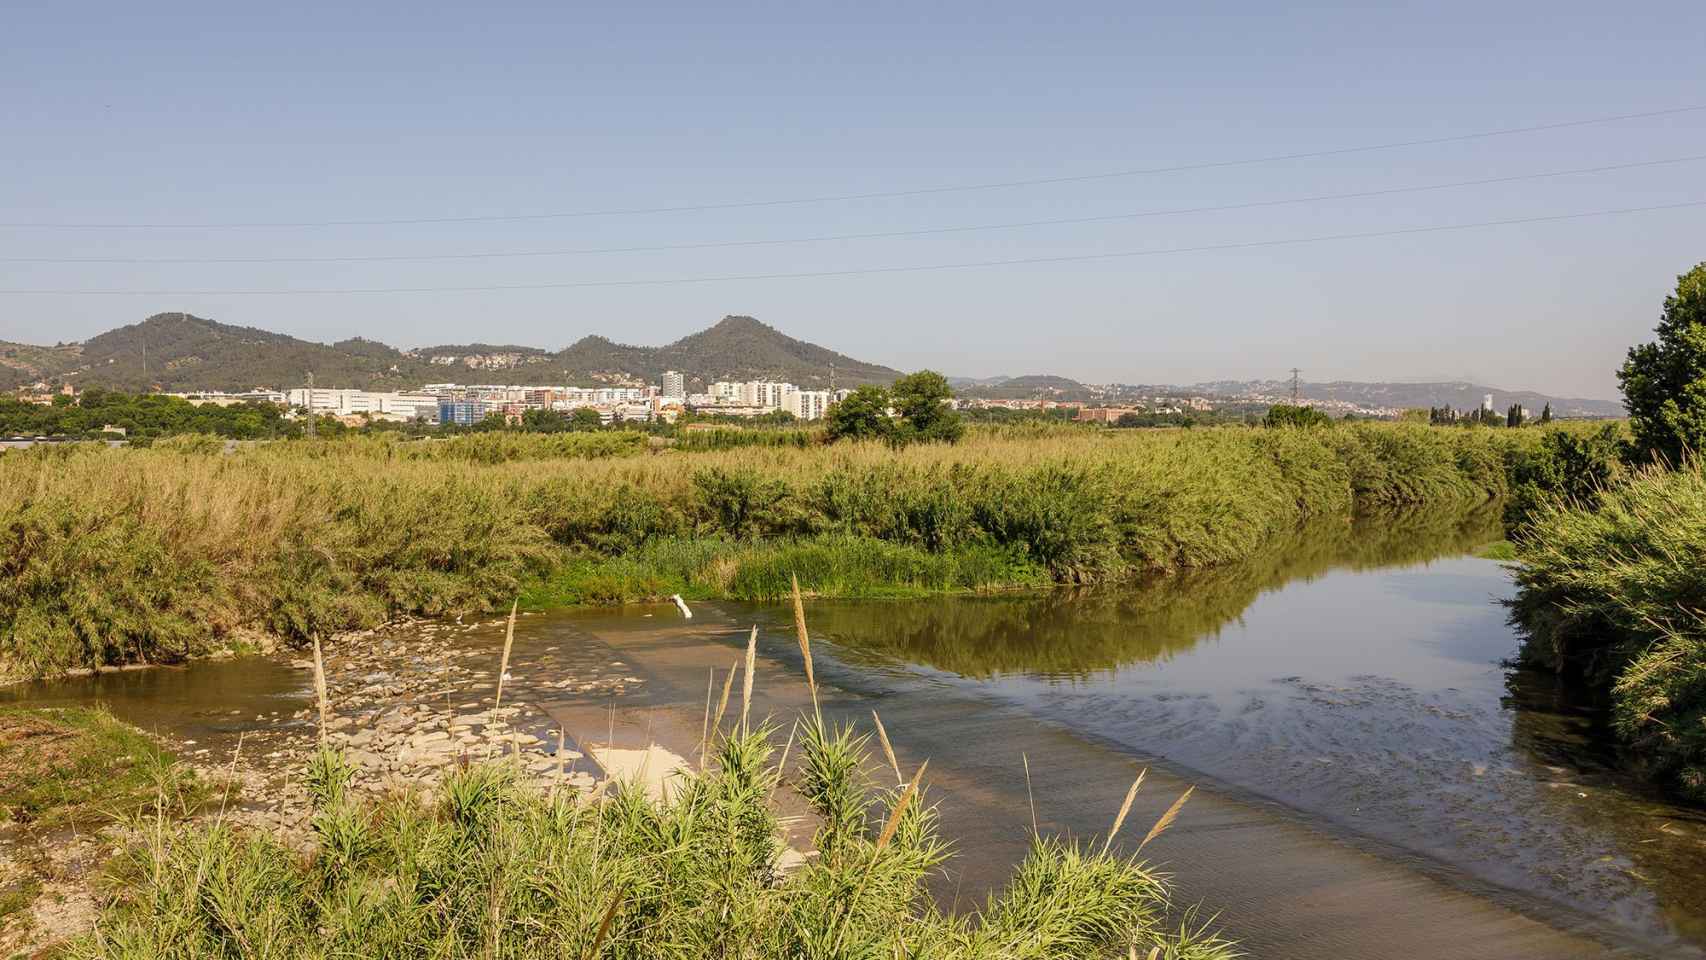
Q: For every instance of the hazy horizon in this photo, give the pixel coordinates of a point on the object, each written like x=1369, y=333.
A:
x=500, y=145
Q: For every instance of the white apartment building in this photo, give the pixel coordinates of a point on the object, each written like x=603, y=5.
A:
x=674, y=384
x=808, y=404
x=345, y=402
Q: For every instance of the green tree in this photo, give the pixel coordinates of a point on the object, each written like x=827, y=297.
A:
x=864, y=415
x=544, y=421
x=1664, y=382
x=1546, y=414
x=922, y=400
x=585, y=418
x=1513, y=416
x=1286, y=415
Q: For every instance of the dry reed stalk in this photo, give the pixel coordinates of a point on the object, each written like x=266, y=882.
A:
x=746, y=680
x=723, y=702
x=503, y=665
x=888, y=749
x=1125, y=808
x=782, y=765
x=899, y=810
x=889, y=827
x=604, y=925
x=705, y=725
x=1032, y=797
x=1168, y=817
x=805, y=641
x=320, y=686
x=561, y=770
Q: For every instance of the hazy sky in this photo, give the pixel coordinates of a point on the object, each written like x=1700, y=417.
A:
x=243, y=113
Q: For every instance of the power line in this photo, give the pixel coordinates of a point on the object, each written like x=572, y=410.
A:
x=867, y=271
x=880, y=195
x=886, y=234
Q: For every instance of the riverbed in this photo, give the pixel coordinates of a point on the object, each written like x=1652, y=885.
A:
x=1373, y=779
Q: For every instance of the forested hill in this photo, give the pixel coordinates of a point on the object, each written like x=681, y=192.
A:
x=178, y=352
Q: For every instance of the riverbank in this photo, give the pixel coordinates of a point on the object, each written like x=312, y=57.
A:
x=66, y=776
x=1613, y=596
x=404, y=707
x=157, y=555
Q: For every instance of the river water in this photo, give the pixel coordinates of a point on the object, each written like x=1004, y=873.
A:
x=1373, y=779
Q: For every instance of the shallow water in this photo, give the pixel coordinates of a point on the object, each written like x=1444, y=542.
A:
x=1351, y=682
x=1374, y=698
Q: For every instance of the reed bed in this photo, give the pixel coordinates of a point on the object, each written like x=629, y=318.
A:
x=111, y=556
x=1613, y=594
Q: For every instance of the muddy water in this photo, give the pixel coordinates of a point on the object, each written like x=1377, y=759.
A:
x=1372, y=781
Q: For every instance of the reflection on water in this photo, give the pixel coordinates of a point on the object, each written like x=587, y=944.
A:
x=1356, y=675
x=1078, y=633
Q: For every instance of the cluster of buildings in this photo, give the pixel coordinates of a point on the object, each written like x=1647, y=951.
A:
x=454, y=403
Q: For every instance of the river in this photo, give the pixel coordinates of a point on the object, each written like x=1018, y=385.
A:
x=1373, y=779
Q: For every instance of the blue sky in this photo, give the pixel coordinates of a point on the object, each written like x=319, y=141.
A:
x=220, y=114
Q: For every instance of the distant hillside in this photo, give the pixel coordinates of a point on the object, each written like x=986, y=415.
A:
x=21, y=363
x=185, y=352
x=1458, y=394
x=1030, y=386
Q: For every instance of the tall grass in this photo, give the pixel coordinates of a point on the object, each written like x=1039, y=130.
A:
x=109, y=556
x=488, y=867
x=1615, y=596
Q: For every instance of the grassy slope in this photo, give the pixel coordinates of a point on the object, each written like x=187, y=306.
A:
x=110, y=556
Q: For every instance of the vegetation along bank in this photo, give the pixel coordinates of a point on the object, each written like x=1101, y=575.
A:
x=122, y=555
x=1612, y=554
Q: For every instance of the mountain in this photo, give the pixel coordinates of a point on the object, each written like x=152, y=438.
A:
x=1459, y=394
x=180, y=352
x=184, y=352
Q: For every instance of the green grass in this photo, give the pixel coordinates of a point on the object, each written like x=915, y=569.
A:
x=77, y=766
x=1502, y=550
x=142, y=555
x=65, y=772
x=1612, y=595
x=487, y=867
x=837, y=566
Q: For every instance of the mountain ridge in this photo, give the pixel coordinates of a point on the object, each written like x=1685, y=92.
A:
x=179, y=352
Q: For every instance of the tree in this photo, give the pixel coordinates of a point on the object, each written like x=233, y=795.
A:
x=585, y=418
x=1286, y=415
x=1513, y=416
x=922, y=401
x=544, y=421
x=1664, y=382
x=864, y=415
x=1546, y=414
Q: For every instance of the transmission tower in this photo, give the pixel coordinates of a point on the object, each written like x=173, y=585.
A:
x=1294, y=385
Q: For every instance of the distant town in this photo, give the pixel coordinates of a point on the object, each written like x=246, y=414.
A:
x=666, y=402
